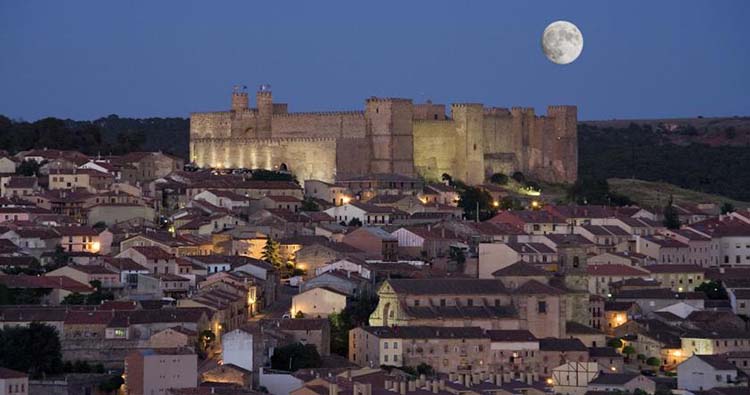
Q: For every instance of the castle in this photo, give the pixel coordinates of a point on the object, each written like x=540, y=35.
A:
x=391, y=135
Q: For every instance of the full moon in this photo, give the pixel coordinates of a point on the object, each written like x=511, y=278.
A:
x=562, y=42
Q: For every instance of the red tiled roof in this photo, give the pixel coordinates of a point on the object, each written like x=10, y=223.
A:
x=77, y=231
x=152, y=252
x=52, y=282
x=614, y=269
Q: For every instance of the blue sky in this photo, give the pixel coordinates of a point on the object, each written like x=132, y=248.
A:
x=641, y=59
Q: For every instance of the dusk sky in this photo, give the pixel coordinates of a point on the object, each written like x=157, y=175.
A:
x=641, y=59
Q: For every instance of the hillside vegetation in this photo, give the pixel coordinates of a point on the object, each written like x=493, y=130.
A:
x=656, y=194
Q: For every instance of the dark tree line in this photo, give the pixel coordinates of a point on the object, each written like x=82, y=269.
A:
x=640, y=152
x=108, y=135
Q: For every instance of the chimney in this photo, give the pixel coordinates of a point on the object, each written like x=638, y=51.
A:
x=333, y=389
x=434, y=386
x=348, y=374
x=402, y=387
x=422, y=380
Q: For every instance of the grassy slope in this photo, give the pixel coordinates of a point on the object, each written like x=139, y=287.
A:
x=649, y=193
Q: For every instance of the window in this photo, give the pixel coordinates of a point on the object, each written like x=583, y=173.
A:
x=542, y=307
x=470, y=302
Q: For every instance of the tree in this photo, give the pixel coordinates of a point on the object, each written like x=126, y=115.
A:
x=653, y=361
x=207, y=339
x=356, y=313
x=34, y=349
x=447, y=178
x=499, y=178
x=671, y=218
x=510, y=203
x=628, y=351
x=425, y=369
x=74, y=299
x=28, y=168
x=309, y=205
x=472, y=198
x=111, y=384
x=295, y=356
x=713, y=290
x=519, y=177
x=299, y=314
x=727, y=208
x=615, y=343
x=271, y=253
x=458, y=256
x=354, y=222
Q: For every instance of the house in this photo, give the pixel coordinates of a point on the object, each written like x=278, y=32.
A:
x=515, y=351
x=160, y=285
x=318, y=302
x=175, y=337
x=155, y=259
x=532, y=221
x=128, y=270
x=153, y=371
x=13, y=382
x=619, y=313
x=622, y=258
x=587, y=335
x=608, y=358
x=91, y=180
x=602, y=276
x=496, y=256
x=446, y=349
x=112, y=213
x=87, y=273
x=366, y=214
x=17, y=186
x=740, y=301
x=440, y=194
x=331, y=193
x=554, y=352
x=373, y=241
x=369, y=185
x=84, y=239
x=72, y=203
x=280, y=202
x=426, y=242
x=150, y=165
x=250, y=347
x=654, y=299
x=705, y=372
x=622, y=382
x=345, y=282
x=222, y=198
x=7, y=165
x=315, y=331
x=663, y=249
x=608, y=238
x=678, y=277
x=311, y=257
x=54, y=288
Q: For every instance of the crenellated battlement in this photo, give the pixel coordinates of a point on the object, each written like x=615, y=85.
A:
x=373, y=99
x=320, y=113
x=465, y=105
x=390, y=134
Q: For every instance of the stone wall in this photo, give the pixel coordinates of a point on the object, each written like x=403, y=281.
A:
x=434, y=152
x=390, y=136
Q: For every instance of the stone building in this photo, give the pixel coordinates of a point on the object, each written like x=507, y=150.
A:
x=391, y=135
x=488, y=304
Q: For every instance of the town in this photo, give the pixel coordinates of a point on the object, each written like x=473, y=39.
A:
x=141, y=274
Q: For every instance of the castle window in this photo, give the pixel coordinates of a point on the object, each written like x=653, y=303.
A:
x=475, y=147
x=436, y=116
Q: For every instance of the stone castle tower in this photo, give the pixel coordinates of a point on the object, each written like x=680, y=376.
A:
x=391, y=135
